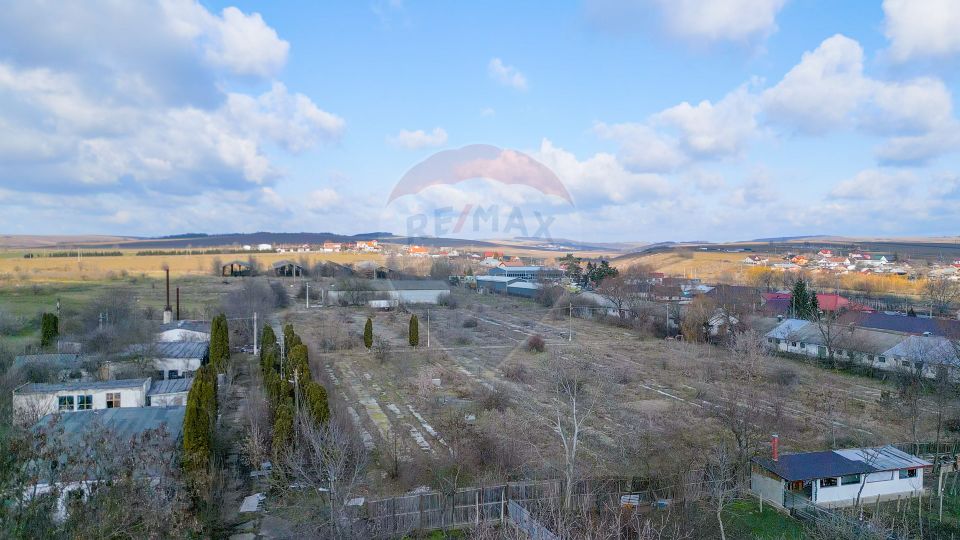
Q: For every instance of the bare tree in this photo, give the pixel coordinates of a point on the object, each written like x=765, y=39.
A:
x=573, y=406
x=618, y=291
x=721, y=486
x=749, y=351
x=940, y=293
x=326, y=458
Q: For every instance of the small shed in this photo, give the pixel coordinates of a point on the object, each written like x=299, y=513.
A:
x=285, y=268
x=236, y=268
x=495, y=284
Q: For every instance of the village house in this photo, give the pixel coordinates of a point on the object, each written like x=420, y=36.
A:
x=528, y=273
x=63, y=366
x=391, y=291
x=837, y=478
x=184, y=330
x=169, y=359
x=331, y=247
x=35, y=400
x=756, y=260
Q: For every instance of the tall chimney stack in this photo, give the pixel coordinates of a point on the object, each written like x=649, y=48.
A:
x=178, y=303
x=167, y=310
x=775, y=446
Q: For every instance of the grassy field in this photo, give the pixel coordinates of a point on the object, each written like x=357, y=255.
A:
x=745, y=520
x=15, y=268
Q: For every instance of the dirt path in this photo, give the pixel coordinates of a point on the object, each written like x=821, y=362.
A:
x=237, y=481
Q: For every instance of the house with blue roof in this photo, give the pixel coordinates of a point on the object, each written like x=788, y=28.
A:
x=837, y=478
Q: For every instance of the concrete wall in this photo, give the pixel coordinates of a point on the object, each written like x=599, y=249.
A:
x=402, y=296
x=885, y=489
x=770, y=489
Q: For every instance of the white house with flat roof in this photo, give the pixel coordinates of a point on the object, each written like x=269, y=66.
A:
x=838, y=478
x=35, y=400
x=170, y=359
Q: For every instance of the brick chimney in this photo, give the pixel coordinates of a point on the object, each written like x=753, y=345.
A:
x=775, y=447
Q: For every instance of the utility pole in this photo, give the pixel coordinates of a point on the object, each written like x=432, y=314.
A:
x=308, y=295
x=428, y=328
x=255, y=350
x=570, y=323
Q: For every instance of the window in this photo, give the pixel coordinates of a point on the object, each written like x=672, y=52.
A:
x=849, y=354
x=84, y=403
x=880, y=476
x=918, y=365
x=173, y=374
x=849, y=479
x=769, y=340
x=882, y=359
x=828, y=482
x=904, y=363
x=65, y=403
x=870, y=357
x=908, y=473
x=113, y=400
x=793, y=343
x=803, y=345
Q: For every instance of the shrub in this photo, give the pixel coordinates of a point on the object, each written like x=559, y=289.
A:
x=282, y=428
x=49, y=329
x=785, y=377
x=317, y=400
x=413, y=336
x=494, y=400
x=516, y=372
x=368, y=333
x=536, y=343
x=470, y=322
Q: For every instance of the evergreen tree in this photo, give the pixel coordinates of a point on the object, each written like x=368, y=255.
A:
x=219, y=343
x=414, y=332
x=800, y=300
x=297, y=360
x=282, y=428
x=911, y=313
x=49, y=329
x=813, y=306
x=368, y=333
x=268, y=340
x=316, y=396
x=199, y=418
x=290, y=337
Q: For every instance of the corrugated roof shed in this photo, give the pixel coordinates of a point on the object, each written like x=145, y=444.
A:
x=49, y=388
x=902, y=323
x=61, y=360
x=170, y=386
x=171, y=349
x=930, y=349
x=124, y=422
x=831, y=464
x=395, y=285
x=193, y=326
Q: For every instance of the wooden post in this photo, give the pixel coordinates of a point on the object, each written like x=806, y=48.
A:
x=503, y=503
x=420, y=507
x=478, y=506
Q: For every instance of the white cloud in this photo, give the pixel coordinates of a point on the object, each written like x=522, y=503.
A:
x=599, y=179
x=242, y=43
x=698, y=21
x=686, y=133
x=875, y=184
x=322, y=200
x=413, y=140
x=85, y=112
x=506, y=75
x=822, y=90
x=720, y=20
x=922, y=28
x=828, y=91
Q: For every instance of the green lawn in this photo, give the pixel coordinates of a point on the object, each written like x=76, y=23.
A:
x=743, y=519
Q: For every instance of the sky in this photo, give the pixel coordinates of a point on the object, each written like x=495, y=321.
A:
x=663, y=119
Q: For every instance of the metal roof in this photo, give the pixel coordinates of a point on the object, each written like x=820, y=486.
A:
x=170, y=386
x=396, y=285
x=45, y=388
x=498, y=279
x=930, y=349
x=903, y=323
x=831, y=464
x=171, y=349
x=787, y=327
x=864, y=340
x=58, y=359
x=524, y=285
x=193, y=326
x=123, y=422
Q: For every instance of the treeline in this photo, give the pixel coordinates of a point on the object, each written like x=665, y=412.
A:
x=289, y=384
x=73, y=254
x=212, y=251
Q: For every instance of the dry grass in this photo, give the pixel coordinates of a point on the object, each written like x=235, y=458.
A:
x=16, y=268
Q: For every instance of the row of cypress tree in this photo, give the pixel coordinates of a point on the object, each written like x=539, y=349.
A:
x=199, y=422
x=413, y=332
x=288, y=382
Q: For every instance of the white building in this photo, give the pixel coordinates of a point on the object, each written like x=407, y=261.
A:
x=264, y=247
x=362, y=291
x=35, y=400
x=836, y=478
x=170, y=359
x=185, y=331
x=169, y=393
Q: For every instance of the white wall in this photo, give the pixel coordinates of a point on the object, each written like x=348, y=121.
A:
x=183, y=366
x=176, y=399
x=31, y=407
x=841, y=495
x=182, y=334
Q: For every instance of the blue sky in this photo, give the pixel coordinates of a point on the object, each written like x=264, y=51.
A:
x=666, y=120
